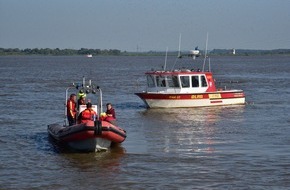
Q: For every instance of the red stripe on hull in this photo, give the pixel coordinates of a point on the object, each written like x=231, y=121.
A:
x=211, y=96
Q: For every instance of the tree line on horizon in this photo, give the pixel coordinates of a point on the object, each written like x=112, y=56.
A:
x=248, y=52
x=116, y=52
x=57, y=51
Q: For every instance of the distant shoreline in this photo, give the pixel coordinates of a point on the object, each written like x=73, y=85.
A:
x=115, y=52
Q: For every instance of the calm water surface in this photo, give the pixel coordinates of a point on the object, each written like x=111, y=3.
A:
x=234, y=147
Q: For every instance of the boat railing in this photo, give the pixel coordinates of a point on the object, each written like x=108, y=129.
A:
x=88, y=88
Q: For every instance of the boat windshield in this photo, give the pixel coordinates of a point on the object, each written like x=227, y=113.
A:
x=184, y=81
x=173, y=81
x=163, y=81
x=203, y=81
x=150, y=81
x=194, y=81
x=160, y=80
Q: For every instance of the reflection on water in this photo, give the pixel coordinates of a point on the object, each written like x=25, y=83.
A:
x=191, y=130
x=87, y=160
x=108, y=160
x=191, y=116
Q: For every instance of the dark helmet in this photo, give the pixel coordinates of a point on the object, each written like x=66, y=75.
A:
x=89, y=105
x=72, y=95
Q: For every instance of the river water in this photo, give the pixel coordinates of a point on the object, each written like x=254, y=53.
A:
x=233, y=147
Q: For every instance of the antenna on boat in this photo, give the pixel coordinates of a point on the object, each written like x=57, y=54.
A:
x=205, y=53
x=179, y=52
x=209, y=69
x=84, y=81
x=100, y=101
x=165, y=59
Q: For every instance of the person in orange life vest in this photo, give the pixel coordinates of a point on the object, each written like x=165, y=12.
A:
x=71, y=109
x=110, y=114
x=87, y=115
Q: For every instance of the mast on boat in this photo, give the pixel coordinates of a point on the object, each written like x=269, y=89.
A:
x=205, y=53
x=179, y=52
x=165, y=59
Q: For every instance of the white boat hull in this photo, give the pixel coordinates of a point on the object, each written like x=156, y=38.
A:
x=161, y=100
x=153, y=103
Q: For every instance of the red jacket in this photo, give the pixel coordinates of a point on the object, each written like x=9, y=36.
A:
x=71, y=108
x=111, y=112
x=87, y=115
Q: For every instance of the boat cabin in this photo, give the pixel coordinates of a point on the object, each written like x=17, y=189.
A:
x=179, y=81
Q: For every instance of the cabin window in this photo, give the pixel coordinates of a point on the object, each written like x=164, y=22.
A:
x=150, y=81
x=160, y=80
x=184, y=81
x=172, y=81
x=194, y=81
x=203, y=81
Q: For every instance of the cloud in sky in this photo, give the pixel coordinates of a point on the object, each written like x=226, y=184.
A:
x=148, y=24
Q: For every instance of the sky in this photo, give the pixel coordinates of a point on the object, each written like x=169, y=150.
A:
x=145, y=25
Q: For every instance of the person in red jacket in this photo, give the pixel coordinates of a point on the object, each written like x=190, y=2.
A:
x=71, y=109
x=110, y=114
x=87, y=115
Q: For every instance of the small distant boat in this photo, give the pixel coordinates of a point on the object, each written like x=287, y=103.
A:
x=194, y=53
x=234, y=51
x=95, y=135
x=89, y=55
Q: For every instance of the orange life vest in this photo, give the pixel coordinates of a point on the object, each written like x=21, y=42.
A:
x=87, y=115
x=71, y=108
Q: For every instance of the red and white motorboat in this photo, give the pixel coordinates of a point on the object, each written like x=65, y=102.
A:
x=186, y=88
x=93, y=135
